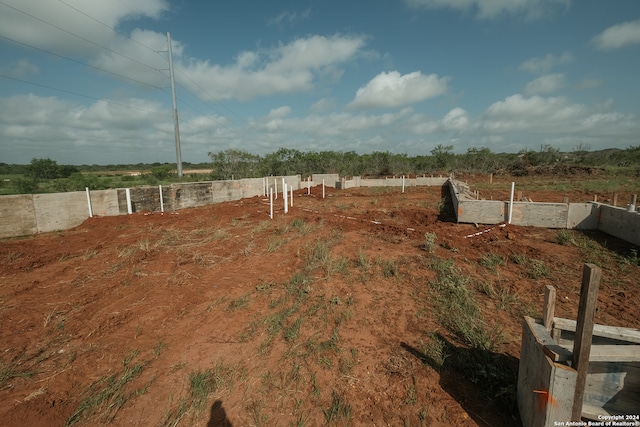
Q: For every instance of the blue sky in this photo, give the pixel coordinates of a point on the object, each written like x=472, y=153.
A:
x=87, y=81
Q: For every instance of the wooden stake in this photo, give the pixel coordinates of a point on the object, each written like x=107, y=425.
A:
x=549, y=307
x=584, y=331
x=615, y=199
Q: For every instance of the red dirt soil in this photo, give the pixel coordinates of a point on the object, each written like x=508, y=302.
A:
x=321, y=315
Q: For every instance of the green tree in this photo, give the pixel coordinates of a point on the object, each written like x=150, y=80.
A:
x=443, y=156
x=234, y=163
x=43, y=169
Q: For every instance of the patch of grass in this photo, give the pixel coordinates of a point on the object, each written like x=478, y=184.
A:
x=292, y=331
x=411, y=398
x=430, y=241
x=262, y=226
x=203, y=383
x=389, y=268
x=457, y=309
x=157, y=350
x=363, y=261
x=537, y=269
x=9, y=372
x=301, y=226
x=435, y=350
x=274, y=244
x=339, y=408
x=564, y=237
x=519, y=259
x=491, y=261
x=109, y=393
x=238, y=303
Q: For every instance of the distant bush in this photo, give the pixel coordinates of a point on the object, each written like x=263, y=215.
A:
x=25, y=185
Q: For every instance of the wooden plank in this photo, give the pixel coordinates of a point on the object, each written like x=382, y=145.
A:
x=614, y=332
x=599, y=353
x=539, y=377
x=612, y=388
x=549, y=307
x=584, y=330
x=558, y=353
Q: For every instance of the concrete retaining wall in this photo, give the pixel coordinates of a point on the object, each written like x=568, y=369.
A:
x=357, y=181
x=330, y=179
x=620, y=223
x=29, y=214
x=17, y=216
x=612, y=220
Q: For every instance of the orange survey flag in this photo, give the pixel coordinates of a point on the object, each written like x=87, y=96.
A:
x=544, y=398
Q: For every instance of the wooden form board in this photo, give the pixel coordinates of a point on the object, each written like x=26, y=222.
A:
x=538, y=374
x=612, y=388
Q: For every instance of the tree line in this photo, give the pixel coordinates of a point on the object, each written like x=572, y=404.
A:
x=235, y=163
x=45, y=175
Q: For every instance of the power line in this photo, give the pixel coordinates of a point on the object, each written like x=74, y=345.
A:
x=183, y=73
x=80, y=37
x=80, y=62
x=109, y=27
x=83, y=95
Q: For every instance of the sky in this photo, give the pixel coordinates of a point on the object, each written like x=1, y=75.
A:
x=88, y=81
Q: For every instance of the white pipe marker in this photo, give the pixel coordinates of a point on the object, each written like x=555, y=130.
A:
x=161, y=201
x=284, y=196
x=511, y=202
x=89, y=203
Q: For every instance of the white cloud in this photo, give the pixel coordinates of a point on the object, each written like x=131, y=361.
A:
x=104, y=131
x=58, y=26
x=490, y=9
x=589, y=83
x=546, y=63
x=395, y=90
x=618, y=36
x=558, y=117
x=323, y=105
x=292, y=67
x=547, y=83
x=536, y=113
x=20, y=69
x=287, y=18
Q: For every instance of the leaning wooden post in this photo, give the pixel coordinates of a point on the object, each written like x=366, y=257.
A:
x=549, y=307
x=584, y=332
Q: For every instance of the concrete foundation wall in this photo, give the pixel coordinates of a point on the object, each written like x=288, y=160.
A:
x=547, y=215
x=30, y=214
x=615, y=221
x=105, y=203
x=17, y=216
x=330, y=179
x=59, y=211
x=583, y=216
x=620, y=223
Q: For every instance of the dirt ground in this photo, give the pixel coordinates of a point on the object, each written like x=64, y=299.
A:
x=220, y=316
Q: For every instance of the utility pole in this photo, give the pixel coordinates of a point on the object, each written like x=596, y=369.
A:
x=176, y=127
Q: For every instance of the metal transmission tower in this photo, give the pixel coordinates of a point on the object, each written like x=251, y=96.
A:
x=176, y=127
